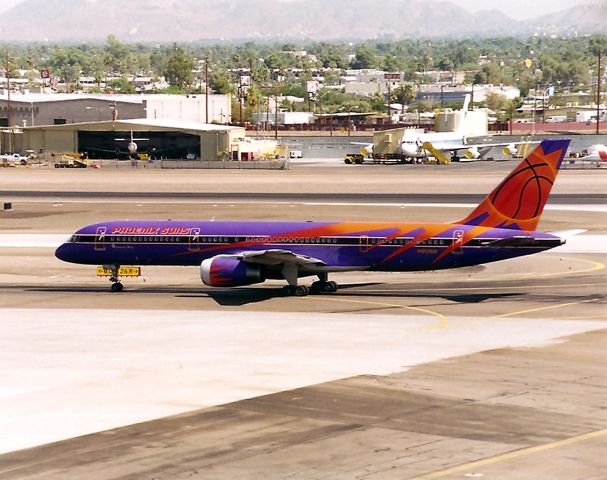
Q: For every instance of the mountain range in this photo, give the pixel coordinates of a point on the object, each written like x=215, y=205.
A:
x=193, y=20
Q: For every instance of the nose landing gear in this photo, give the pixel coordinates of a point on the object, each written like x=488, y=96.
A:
x=116, y=285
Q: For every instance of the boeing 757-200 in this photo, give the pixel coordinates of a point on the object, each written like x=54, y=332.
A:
x=235, y=253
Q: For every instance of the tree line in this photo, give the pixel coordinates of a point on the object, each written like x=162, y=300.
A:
x=283, y=69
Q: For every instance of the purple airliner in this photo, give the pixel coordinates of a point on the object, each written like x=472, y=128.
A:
x=235, y=253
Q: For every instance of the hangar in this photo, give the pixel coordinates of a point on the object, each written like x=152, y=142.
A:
x=157, y=138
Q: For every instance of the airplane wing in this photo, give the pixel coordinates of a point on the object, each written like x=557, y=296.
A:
x=473, y=150
x=464, y=146
x=280, y=257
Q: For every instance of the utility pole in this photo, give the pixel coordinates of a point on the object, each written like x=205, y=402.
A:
x=389, y=102
x=598, y=93
x=276, y=114
x=544, y=107
x=206, y=88
x=240, y=99
x=9, y=108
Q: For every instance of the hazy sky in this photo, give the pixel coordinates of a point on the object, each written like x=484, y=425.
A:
x=517, y=9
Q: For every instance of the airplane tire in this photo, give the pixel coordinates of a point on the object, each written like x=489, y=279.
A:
x=117, y=287
x=323, y=287
x=301, y=291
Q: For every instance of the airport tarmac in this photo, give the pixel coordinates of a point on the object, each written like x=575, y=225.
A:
x=494, y=371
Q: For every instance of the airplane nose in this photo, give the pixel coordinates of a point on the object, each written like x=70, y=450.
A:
x=63, y=252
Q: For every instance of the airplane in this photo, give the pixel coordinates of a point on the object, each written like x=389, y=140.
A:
x=414, y=145
x=235, y=253
x=132, y=145
x=595, y=152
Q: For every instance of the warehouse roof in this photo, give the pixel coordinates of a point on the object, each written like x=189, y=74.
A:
x=62, y=97
x=141, y=124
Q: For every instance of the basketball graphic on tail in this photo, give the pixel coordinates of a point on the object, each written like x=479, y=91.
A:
x=518, y=201
x=524, y=192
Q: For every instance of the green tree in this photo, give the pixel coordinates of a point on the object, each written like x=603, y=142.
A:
x=179, y=71
x=122, y=85
x=363, y=59
x=404, y=95
x=220, y=81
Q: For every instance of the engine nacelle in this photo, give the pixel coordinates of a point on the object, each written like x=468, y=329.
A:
x=473, y=152
x=229, y=271
x=510, y=150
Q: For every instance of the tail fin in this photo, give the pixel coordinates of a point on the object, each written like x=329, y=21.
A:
x=519, y=200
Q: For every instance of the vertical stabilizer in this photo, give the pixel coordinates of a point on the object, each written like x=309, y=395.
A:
x=466, y=102
x=518, y=201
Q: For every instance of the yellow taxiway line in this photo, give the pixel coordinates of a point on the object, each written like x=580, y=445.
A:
x=539, y=309
x=513, y=455
x=443, y=321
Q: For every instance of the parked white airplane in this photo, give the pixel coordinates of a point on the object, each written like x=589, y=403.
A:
x=596, y=152
x=415, y=145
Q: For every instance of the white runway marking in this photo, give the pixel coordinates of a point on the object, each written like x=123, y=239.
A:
x=68, y=372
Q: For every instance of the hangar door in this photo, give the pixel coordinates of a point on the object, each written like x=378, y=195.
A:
x=170, y=145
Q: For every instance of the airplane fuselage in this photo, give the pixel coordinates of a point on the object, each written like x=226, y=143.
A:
x=340, y=246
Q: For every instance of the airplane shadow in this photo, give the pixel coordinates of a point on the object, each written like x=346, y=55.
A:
x=244, y=296
x=451, y=298
x=249, y=295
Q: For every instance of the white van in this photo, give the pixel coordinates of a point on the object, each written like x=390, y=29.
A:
x=295, y=154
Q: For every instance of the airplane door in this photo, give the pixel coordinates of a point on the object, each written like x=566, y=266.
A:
x=458, y=242
x=364, y=245
x=100, y=239
x=194, y=239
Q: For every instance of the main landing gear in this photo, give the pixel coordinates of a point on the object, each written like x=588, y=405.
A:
x=320, y=286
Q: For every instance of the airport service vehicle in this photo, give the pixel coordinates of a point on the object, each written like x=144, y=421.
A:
x=354, y=159
x=14, y=159
x=68, y=162
x=295, y=154
x=235, y=253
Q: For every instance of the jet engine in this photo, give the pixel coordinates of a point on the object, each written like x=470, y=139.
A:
x=229, y=271
x=472, y=152
x=510, y=150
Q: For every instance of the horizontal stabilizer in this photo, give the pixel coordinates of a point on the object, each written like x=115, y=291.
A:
x=568, y=233
x=526, y=241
